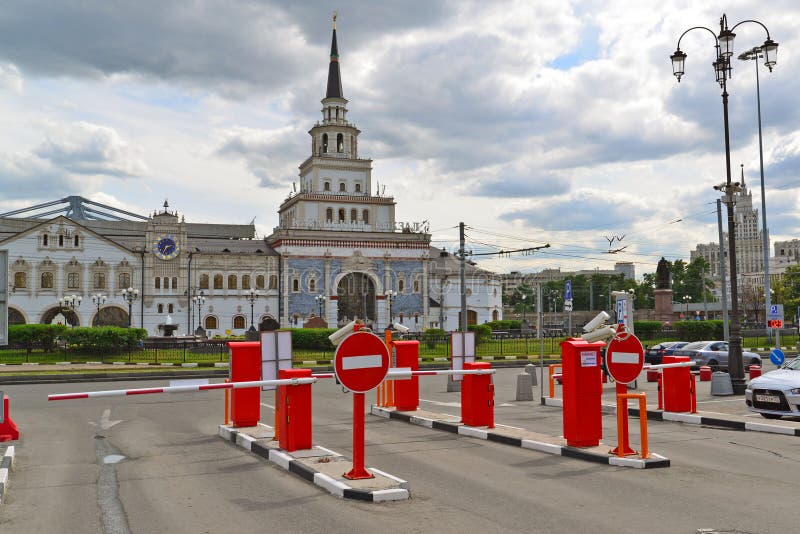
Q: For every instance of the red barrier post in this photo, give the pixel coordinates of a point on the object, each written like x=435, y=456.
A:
x=660, y=394
x=406, y=392
x=694, y=394
x=358, y=471
x=623, y=447
x=294, y=407
x=245, y=367
x=8, y=428
x=477, y=397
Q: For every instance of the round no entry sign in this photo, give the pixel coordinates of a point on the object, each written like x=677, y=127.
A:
x=361, y=362
x=625, y=358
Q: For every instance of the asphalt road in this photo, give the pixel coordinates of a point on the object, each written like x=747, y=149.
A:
x=178, y=476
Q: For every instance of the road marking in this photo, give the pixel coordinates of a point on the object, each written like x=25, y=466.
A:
x=721, y=400
x=362, y=362
x=104, y=423
x=267, y=406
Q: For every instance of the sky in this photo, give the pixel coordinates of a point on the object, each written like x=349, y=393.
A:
x=534, y=122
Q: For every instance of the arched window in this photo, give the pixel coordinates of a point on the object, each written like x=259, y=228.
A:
x=211, y=323
x=245, y=281
x=358, y=188
x=160, y=308
x=217, y=281
x=416, y=286
x=325, y=140
x=174, y=282
x=238, y=322
x=47, y=280
x=296, y=285
x=61, y=240
x=99, y=280
x=312, y=285
x=343, y=187
x=339, y=143
x=325, y=187
x=203, y=281
x=353, y=215
x=232, y=281
x=170, y=308
x=341, y=215
x=365, y=216
x=329, y=215
x=124, y=280
x=260, y=281
x=158, y=283
x=20, y=280
x=73, y=280
x=273, y=281
x=76, y=242
x=495, y=315
x=44, y=240
x=401, y=285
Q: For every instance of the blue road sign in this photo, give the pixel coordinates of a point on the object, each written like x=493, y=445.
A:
x=776, y=356
x=567, y=290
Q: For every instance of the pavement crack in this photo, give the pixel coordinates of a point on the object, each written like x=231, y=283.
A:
x=112, y=512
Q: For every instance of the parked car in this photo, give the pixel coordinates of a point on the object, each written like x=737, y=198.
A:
x=714, y=354
x=654, y=354
x=777, y=393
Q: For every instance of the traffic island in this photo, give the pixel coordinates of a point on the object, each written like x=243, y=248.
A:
x=520, y=437
x=318, y=465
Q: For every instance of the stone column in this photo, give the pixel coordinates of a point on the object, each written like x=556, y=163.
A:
x=663, y=305
x=286, y=290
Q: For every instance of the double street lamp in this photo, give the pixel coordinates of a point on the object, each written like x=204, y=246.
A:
x=252, y=297
x=320, y=303
x=687, y=299
x=68, y=303
x=723, y=45
x=99, y=299
x=199, y=300
x=390, y=296
x=130, y=296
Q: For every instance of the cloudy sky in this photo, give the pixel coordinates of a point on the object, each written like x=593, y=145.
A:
x=532, y=121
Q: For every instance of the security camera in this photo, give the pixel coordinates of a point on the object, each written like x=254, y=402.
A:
x=400, y=328
x=598, y=320
x=601, y=334
x=338, y=336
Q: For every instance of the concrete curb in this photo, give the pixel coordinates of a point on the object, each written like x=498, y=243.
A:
x=6, y=466
x=589, y=454
x=334, y=485
x=717, y=419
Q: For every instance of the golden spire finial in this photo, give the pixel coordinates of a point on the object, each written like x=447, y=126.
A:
x=335, y=14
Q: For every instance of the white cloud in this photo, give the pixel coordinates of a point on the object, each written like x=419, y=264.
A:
x=10, y=77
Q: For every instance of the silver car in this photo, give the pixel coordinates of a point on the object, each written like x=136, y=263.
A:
x=776, y=393
x=715, y=354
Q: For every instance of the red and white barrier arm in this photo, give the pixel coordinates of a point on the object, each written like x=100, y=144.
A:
x=405, y=373
x=669, y=365
x=181, y=389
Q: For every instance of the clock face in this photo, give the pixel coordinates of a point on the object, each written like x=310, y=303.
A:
x=165, y=247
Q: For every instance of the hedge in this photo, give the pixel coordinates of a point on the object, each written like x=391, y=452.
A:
x=699, y=330
x=482, y=332
x=103, y=337
x=433, y=335
x=32, y=334
x=505, y=324
x=647, y=329
x=312, y=338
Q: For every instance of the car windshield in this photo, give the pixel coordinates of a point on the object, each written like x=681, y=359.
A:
x=794, y=364
x=696, y=345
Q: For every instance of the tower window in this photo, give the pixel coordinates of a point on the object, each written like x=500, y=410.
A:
x=353, y=215
x=329, y=215
x=170, y=308
x=60, y=240
x=44, y=240
x=365, y=216
x=342, y=187
x=358, y=188
x=174, y=282
x=296, y=285
x=327, y=186
x=158, y=283
x=76, y=241
x=312, y=286
x=325, y=140
x=339, y=143
x=341, y=215
x=401, y=285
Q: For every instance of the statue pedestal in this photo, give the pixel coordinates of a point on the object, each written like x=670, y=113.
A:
x=663, y=305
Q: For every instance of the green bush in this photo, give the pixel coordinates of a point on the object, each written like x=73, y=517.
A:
x=432, y=336
x=505, y=324
x=31, y=334
x=103, y=337
x=482, y=332
x=312, y=338
x=697, y=330
x=647, y=329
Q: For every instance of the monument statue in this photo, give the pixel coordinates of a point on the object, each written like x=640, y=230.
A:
x=662, y=274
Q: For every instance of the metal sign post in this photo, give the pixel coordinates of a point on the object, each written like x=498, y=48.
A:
x=775, y=320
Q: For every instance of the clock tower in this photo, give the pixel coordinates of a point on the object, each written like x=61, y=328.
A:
x=164, y=260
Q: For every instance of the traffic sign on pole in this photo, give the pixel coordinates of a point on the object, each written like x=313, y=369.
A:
x=568, y=290
x=361, y=362
x=625, y=358
x=775, y=312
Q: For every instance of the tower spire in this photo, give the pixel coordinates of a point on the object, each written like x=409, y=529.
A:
x=334, y=78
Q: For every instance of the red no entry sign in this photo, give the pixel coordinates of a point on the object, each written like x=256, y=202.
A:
x=361, y=362
x=625, y=358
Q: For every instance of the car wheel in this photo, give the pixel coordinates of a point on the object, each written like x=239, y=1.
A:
x=714, y=365
x=770, y=416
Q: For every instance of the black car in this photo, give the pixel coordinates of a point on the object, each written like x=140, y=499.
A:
x=654, y=354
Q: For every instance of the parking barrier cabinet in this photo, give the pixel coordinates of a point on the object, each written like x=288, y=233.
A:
x=245, y=367
x=477, y=397
x=676, y=385
x=406, y=392
x=582, y=392
x=294, y=412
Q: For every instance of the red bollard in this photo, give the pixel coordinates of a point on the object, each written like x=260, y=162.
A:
x=652, y=375
x=8, y=428
x=406, y=392
x=705, y=374
x=245, y=367
x=660, y=396
x=477, y=397
x=294, y=409
x=755, y=371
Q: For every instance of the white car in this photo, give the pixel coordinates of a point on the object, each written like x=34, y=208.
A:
x=777, y=393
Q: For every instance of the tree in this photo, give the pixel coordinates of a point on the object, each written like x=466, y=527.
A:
x=789, y=289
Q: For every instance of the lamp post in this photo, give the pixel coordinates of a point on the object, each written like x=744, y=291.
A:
x=252, y=297
x=523, y=307
x=69, y=303
x=390, y=296
x=753, y=55
x=199, y=300
x=320, y=303
x=686, y=300
x=130, y=296
x=723, y=44
x=99, y=299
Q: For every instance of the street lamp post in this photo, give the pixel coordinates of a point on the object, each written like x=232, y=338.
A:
x=390, y=296
x=130, y=295
x=320, y=303
x=523, y=307
x=199, y=300
x=68, y=303
x=252, y=296
x=686, y=300
x=99, y=299
x=723, y=44
x=753, y=55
